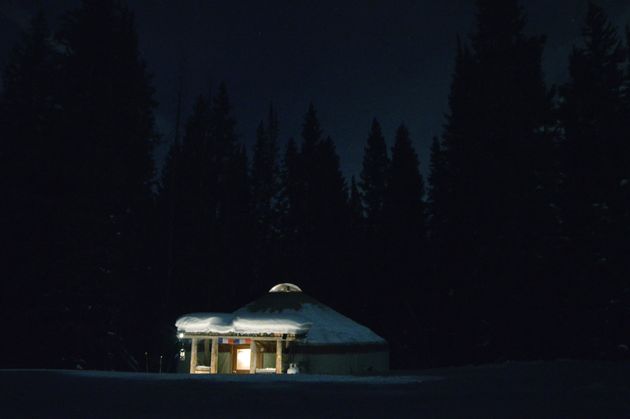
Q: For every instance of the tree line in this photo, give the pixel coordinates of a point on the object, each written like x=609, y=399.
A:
x=515, y=247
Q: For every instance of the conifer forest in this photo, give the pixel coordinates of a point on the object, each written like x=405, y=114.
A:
x=511, y=242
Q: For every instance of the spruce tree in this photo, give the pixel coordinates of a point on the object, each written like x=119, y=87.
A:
x=31, y=168
x=355, y=205
x=188, y=202
x=405, y=185
x=596, y=151
x=437, y=186
x=311, y=131
x=328, y=206
x=374, y=173
x=311, y=139
x=404, y=208
x=405, y=249
x=237, y=227
x=456, y=152
x=100, y=169
x=314, y=208
x=290, y=188
x=265, y=176
x=287, y=209
x=592, y=108
x=496, y=177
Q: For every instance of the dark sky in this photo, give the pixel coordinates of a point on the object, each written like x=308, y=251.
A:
x=354, y=59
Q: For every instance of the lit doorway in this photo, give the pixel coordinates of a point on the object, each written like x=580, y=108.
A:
x=243, y=359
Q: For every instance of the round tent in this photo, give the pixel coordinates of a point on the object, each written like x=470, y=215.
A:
x=322, y=341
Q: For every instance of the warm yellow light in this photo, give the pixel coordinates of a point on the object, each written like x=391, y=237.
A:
x=243, y=358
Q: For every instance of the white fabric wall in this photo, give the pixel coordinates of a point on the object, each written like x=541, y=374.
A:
x=350, y=363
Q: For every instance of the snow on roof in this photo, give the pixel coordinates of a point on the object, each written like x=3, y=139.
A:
x=328, y=326
x=205, y=323
x=283, y=311
x=231, y=324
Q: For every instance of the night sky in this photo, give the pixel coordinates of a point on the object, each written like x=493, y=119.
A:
x=354, y=59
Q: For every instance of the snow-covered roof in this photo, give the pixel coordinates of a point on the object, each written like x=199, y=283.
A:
x=233, y=324
x=291, y=312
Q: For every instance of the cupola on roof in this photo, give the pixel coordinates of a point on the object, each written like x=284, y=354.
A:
x=285, y=287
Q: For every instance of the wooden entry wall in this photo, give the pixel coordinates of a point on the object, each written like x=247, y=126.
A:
x=211, y=346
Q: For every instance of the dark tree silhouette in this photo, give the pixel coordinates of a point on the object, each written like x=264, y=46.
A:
x=79, y=120
x=265, y=182
x=289, y=204
x=109, y=131
x=374, y=174
x=206, y=182
x=596, y=151
x=437, y=186
x=404, y=239
x=403, y=198
x=314, y=209
x=519, y=251
x=31, y=180
x=496, y=179
x=265, y=174
x=188, y=202
x=355, y=205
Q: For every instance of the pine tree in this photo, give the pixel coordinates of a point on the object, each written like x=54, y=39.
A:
x=213, y=231
x=404, y=208
x=289, y=211
x=456, y=153
x=29, y=146
x=405, y=187
x=314, y=209
x=596, y=150
x=311, y=140
x=223, y=129
x=265, y=176
x=329, y=186
x=311, y=131
x=290, y=192
x=31, y=153
x=374, y=173
x=437, y=186
x=496, y=176
x=28, y=105
x=188, y=202
x=405, y=249
x=100, y=169
x=355, y=204
x=328, y=207
x=237, y=228
x=591, y=108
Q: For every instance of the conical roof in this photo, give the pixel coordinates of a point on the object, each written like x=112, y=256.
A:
x=285, y=309
x=327, y=326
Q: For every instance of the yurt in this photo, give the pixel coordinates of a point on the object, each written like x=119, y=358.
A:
x=283, y=331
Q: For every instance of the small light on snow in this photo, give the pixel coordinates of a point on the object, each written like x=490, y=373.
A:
x=181, y=336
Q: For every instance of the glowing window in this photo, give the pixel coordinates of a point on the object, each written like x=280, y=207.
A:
x=242, y=359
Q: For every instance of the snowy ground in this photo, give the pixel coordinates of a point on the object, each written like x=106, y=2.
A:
x=562, y=389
